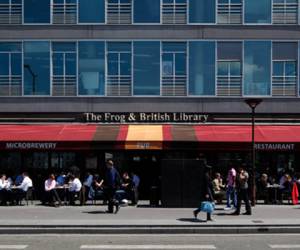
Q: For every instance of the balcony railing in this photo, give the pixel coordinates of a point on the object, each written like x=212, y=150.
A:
x=230, y=13
x=64, y=86
x=285, y=13
x=284, y=86
x=118, y=85
x=10, y=85
x=174, y=13
x=10, y=13
x=174, y=86
x=64, y=13
x=229, y=86
x=119, y=13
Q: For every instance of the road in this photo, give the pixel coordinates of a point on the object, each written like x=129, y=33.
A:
x=182, y=242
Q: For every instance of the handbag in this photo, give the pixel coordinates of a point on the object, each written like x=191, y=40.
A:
x=207, y=207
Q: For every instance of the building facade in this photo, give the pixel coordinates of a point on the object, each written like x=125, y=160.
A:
x=61, y=59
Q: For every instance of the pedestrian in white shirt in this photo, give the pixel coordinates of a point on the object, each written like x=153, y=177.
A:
x=4, y=190
x=74, y=189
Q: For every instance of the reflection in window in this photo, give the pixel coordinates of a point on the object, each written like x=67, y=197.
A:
x=91, y=11
x=10, y=11
x=36, y=68
x=257, y=67
x=64, y=11
x=284, y=76
x=229, y=76
x=173, y=69
x=91, y=68
x=119, y=11
x=174, y=11
x=202, y=68
x=203, y=11
x=147, y=68
x=119, y=69
x=10, y=69
x=258, y=11
x=64, y=69
x=230, y=11
x=285, y=11
x=37, y=11
x=147, y=11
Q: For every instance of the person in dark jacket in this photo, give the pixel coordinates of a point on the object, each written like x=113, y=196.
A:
x=112, y=183
x=207, y=191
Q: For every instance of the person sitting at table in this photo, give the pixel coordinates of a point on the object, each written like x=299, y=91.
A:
x=127, y=186
x=61, y=179
x=4, y=190
x=262, y=188
x=285, y=186
x=50, y=193
x=74, y=189
x=23, y=187
x=218, y=188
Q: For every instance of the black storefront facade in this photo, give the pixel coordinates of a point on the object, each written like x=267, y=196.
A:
x=32, y=143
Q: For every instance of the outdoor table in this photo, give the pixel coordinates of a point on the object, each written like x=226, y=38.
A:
x=274, y=187
x=63, y=189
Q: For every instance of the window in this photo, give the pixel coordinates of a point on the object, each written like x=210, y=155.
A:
x=285, y=11
x=119, y=11
x=37, y=11
x=229, y=76
x=91, y=11
x=147, y=11
x=230, y=11
x=10, y=69
x=64, y=69
x=202, y=57
x=173, y=69
x=91, y=68
x=146, y=68
x=119, y=69
x=64, y=12
x=174, y=11
x=203, y=11
x=36, y=68
x=258, y=11
x=10, y=11
x=284, y=76
x=257, y=68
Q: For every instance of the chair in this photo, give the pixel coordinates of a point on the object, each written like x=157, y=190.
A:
x=29, y=195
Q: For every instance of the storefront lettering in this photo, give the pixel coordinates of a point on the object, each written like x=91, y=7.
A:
x=275, y=146
x=30, y=145
x=143, y=117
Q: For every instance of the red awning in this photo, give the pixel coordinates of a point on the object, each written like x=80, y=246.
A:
x=155, y=137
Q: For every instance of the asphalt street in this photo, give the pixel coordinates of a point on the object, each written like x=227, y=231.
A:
x=173, y=241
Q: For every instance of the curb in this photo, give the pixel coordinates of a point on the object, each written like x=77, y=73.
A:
x=242, y=229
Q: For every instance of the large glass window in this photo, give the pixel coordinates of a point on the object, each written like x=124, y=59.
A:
x=147, y=68
x=202, y=11
x=119, y=11
x=284, y=76
x=119, y=69
x=91, y=11
x=202, y=57
x=10, y=11
x=36, y=68
x=173, y=69
x=229, y=75
x=10, y=69
x=147, y=11
x=285, y=11
x=91, y=68
x=257, y=67
x=64, y=11
x=174, y=11
x=37, y=11
x=258, y=11
x=230, y=11
x=64, y=69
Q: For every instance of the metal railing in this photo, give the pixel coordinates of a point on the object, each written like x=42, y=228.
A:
x=118, y=85
x=285, y=13
x=64, y=86
x=10, y=13
x=229, y=86
x=174, y=13
x=230, y=13
x=64, y=13
x=284, y=86
x=119, y=13
x=174, y=86
x=11, y=85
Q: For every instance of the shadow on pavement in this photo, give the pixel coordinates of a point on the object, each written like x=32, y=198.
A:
x=191, y=220
x=94, y=212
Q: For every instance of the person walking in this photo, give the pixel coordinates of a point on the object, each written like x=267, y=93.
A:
x=206, y=194
x=112, y=182
x=242, y=192
x=231, y=189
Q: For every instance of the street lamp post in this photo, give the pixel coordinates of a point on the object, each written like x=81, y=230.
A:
x=253, y=103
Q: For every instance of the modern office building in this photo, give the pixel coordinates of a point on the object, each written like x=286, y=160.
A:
x=145, y=80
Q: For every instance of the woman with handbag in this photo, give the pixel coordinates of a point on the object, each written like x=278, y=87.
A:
x=207, y=200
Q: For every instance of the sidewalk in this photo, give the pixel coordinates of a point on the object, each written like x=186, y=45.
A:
x=93, y=219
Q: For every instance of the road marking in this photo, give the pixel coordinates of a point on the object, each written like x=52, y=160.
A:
x=127, y=247
x=284, y=246
x=13, y=246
